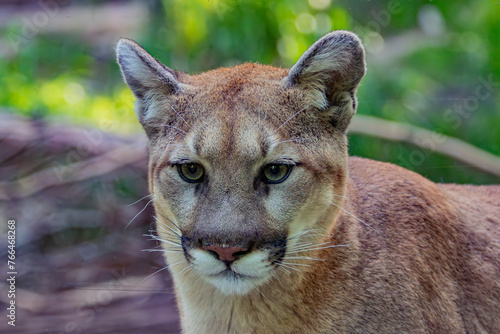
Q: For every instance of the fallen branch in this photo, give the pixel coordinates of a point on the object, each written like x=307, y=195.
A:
x=446, y=145
x=76, y=172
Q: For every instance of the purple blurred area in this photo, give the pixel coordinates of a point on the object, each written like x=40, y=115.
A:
x=79, y=269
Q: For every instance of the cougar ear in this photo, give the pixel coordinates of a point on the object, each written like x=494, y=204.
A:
x=329, y=73
x=148, y=79
x=142, y=72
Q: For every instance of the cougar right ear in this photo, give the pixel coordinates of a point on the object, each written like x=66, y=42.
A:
x=147, y=78
x=141, y=71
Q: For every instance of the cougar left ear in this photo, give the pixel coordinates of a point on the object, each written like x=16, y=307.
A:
x=329, y=72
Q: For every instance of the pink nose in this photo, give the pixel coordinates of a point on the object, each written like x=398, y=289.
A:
x=225, y=254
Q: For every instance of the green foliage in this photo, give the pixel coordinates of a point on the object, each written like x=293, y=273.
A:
x=413, y=77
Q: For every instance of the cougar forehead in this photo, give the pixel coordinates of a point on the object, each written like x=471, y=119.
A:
x=242, y=140
x=242, y=114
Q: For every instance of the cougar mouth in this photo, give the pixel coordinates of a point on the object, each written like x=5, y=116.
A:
x=230, y=282
x=242, y=274
x=229, y=273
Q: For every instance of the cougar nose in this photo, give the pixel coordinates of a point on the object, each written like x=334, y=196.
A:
x=226, y=254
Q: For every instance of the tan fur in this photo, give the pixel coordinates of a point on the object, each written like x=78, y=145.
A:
x=395, y=253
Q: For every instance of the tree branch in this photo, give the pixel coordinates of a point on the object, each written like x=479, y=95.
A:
x=446, y=145
x=59, y=175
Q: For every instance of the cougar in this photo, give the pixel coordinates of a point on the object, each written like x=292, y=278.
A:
x=268, y=226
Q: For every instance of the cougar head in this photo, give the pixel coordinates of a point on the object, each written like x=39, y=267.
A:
x=246, y=161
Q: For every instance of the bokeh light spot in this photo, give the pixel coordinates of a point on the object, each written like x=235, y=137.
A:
x=319, y=4
x=305, y=23
x=74, y=93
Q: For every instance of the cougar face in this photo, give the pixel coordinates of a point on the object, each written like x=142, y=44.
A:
x=239, y=189
x=245, y=162
x=224, y=187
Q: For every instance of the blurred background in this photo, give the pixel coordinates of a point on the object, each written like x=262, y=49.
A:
x=72, y=155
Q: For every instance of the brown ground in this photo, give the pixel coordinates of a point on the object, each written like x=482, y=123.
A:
x=79, y=270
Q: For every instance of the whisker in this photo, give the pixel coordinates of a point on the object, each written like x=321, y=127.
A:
x=265, y=297
x=138, y=213
x=165, y=225
x=291, y=117
x=293, y=251
x=169, y=231
x=185, y=270
x=170, y=234
x=163, y=250
x=340, y=196
x=170, y=243
x=301, y=247
x=278, y=279
x=305, y=243
x=341, y=208
x=170, y=221
x=171, y=106
x=323, y=244
x=296, y=264
x=139, y=200
x=78, y=286
x=299, y=234
x=156, y=272
x=317, y=248
x=309, y=245
x=154, y=237
x=285, y=269
x=175, y=241
x=286, y=265
x=304, y=258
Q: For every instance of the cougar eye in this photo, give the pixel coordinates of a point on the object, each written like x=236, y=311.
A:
x=276, y=173
x=191, y=172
